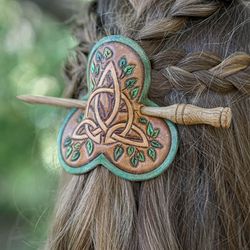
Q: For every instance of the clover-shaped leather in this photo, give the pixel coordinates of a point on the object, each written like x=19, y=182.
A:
x=112, y=131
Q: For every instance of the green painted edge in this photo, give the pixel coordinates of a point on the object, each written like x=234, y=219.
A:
x=101, y=159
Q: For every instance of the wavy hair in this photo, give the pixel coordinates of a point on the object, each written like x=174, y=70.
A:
x=199, y=52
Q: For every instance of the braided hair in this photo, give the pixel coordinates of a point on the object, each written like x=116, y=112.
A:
x=199, y=52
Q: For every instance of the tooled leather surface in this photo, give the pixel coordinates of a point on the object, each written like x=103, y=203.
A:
x=112, y=123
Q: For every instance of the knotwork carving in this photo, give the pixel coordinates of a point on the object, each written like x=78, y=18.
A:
x=112, y=131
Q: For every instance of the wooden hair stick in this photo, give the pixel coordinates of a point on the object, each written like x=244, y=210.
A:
x=182, y=114
x=53, y=101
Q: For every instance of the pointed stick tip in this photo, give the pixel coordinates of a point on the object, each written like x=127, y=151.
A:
x=53, y=101
x=26, y=98
x=21, y=97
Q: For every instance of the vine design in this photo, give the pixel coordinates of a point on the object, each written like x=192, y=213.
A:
x=101, y=123
x=136, y=155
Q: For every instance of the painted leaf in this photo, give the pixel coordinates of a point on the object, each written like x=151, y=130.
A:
x=156, y=144
x=99, y=56
x=130, y=150
x=67, y=141
x=134, y=92
x=130, y=82
x=129, y=69
x=152, y=153
x=143, y=120
x=92, y=68
x=91, y=85
x=150, y=129
x=77, y=145
x=123, y=62
x=118, y=152
x=107, y=52
x=68, y=152
x=75, y=155
x=141, y=156
x=134, y=161
x=97, y=69
x=89, y=146
x=156, y=133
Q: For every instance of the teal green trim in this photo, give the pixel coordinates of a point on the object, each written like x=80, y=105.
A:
x=101, y=159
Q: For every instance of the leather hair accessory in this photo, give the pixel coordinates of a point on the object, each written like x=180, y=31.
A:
x=116, y=125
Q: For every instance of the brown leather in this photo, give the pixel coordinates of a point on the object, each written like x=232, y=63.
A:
x=113, y=124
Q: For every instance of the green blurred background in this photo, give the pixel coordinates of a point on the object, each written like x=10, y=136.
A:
x=34, y=43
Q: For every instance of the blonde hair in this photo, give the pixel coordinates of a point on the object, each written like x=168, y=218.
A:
x=199, y=54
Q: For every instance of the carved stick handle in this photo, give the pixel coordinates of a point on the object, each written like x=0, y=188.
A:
x=187, y=114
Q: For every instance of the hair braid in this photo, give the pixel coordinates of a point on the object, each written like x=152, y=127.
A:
x=86, y=32
x=176, y=18
x=202, y=200
x=169, y=22
x=205, y=71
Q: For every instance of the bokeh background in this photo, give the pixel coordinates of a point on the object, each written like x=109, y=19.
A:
x=35, y=41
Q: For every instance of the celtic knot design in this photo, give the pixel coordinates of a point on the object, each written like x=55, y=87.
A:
x=110, y=130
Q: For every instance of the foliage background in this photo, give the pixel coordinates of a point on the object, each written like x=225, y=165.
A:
x=33, y=47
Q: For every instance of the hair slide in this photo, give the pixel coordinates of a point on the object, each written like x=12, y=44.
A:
x=116, y=125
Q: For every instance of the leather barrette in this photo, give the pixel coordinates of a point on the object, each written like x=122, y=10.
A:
x=116, y=125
